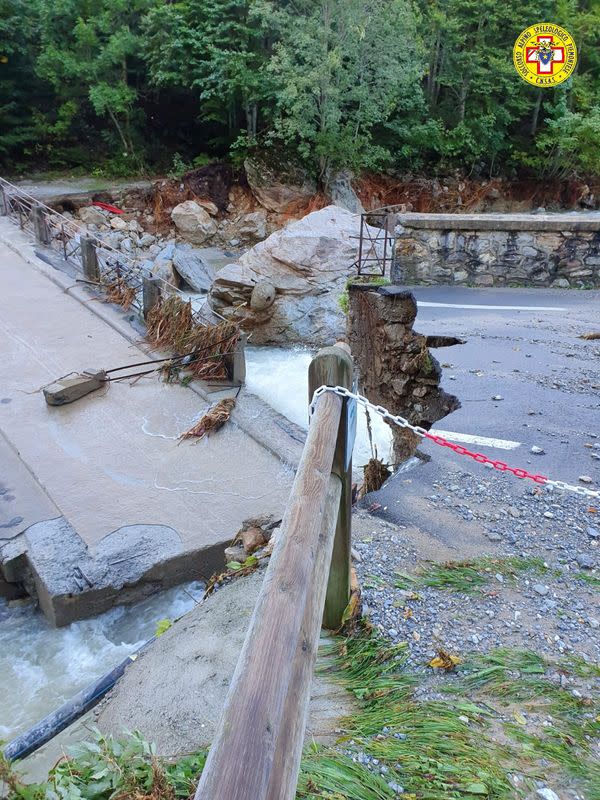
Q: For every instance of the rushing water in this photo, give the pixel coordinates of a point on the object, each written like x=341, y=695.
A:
x=280, y=377
x=41, y=666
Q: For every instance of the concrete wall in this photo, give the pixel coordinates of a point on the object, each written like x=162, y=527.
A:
x=559, y=250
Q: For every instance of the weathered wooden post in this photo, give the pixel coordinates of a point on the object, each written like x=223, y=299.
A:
x=332, y=366
x=150, y=293
x=89, y=259
x=39, y=224
x=3, y=202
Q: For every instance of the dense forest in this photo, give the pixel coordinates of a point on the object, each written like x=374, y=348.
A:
x=119, y=87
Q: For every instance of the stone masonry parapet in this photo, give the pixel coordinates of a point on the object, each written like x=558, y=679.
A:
x=560, y=250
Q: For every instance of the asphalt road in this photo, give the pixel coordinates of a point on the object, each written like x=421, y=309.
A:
x=521, y=345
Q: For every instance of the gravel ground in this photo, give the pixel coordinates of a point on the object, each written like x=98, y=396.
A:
x=552, y=612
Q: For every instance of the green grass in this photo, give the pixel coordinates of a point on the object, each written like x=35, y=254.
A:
x=375, y=280
x=468, y=576
x=591, y=579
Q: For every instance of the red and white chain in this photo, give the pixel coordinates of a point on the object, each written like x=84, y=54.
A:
x=439, y=440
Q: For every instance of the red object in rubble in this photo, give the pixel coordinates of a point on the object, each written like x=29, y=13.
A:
x=107, y=207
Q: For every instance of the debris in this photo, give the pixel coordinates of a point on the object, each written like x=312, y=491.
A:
x=444, y=661
x=252, y=539
x=213, y=420
x=171, y=325
x=73, y=386
x=376, y=474
x=538, y=451
x=120, y=293
x=497, y=397
x=590, y=336
x=585, y=479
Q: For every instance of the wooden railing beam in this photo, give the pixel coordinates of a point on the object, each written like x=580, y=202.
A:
x=265, y=710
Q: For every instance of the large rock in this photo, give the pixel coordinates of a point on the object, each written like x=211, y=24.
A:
x=193, y=222
x=91, y=215
x=193, y=268
x=342, y=193
x=277, y=190
x=188, y=263
x=308, y=263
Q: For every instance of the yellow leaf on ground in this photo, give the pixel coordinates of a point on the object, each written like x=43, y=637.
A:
x=444, y=660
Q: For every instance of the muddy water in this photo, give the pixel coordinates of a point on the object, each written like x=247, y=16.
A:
x=41, y=667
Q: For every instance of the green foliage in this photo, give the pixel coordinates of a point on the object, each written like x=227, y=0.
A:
x=162, y=625
x=463, y=747
x=400, y=84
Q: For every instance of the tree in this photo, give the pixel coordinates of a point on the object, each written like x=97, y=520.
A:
x=20, y=90
x=340, y=68
x=90, y=55
x=216, y=49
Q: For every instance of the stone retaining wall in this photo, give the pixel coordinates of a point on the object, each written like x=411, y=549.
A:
x=561, y=250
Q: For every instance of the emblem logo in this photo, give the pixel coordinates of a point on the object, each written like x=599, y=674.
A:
x=545, y=54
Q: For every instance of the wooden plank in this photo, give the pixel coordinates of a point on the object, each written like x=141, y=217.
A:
x=242, y=762
x=286, y=762
x=332, y=366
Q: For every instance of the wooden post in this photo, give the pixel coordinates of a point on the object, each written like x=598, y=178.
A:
x=89, y=259
x=3, y=202
x=151, y=294
x=39, y=224
x=332, y=366
x=257, y=748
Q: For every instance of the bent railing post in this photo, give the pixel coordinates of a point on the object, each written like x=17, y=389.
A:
x=332, y=366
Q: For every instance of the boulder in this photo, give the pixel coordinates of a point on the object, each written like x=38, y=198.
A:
x=251, y=226
x=194, y=269
x=193, y=222
x=342, y=194
x=208, y=205
x=91, y=215
x=164, y=269
x=307, y=263
x=277, y=190
x=118, y=224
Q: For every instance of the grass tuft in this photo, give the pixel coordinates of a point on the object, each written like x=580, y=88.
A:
x=468, y=576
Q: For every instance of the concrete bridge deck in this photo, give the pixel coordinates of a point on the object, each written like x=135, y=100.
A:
x=100, y=501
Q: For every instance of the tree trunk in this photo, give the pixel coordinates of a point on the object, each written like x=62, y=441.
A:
x=536, y=113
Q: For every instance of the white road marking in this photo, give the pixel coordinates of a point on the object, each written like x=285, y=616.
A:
x=428, y=304
x=482, y=441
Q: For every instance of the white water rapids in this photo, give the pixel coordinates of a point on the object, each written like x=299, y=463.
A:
x=41, y=666
x=279, y=376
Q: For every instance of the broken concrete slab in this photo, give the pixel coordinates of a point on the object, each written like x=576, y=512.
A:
x=72, y=581
x=113, y=460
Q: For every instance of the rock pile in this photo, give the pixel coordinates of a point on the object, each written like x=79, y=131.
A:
x=287, y=288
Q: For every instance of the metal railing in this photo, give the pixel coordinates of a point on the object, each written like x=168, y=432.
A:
x=99, y=262
x=257, y=749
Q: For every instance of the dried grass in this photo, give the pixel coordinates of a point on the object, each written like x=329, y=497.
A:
x=212, y=421
x=171, y=326
x=121, y=293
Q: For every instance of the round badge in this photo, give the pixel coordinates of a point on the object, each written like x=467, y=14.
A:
x=545, y=54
